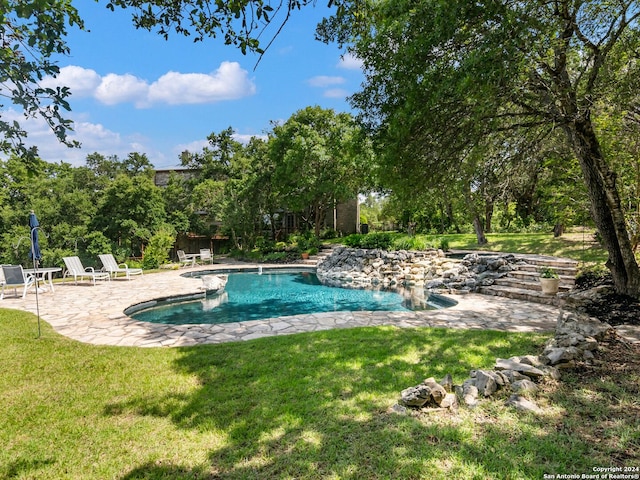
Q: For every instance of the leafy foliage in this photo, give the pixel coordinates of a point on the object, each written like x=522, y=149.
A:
x=381, y=240
x=33, y=34
x=157, y=251
x=470, y=84
x=321, y=158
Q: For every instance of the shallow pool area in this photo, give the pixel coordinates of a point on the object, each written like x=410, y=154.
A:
x=280, y=293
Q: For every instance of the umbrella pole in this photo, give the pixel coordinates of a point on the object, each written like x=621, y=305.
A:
x=35, y=269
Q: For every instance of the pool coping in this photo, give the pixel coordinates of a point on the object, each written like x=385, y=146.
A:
x=95, y=314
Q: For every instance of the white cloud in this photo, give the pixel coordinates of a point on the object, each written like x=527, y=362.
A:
x=350, y=62
x=94, y=137
x=194, y=147
x=229, y=82
x=336, y=93
x=325, y=81
x=82, y=81
x=245, y=138
x=116, y=89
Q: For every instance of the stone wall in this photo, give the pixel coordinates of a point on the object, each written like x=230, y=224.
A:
x=430, y=268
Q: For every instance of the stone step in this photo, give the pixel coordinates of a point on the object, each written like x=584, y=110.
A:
x=533, y=277
x=562, y=271
x=532, y=284
x=524, y=284
x=544, y=261
x=520, y=294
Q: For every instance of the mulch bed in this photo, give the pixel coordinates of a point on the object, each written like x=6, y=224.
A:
x=609, y=307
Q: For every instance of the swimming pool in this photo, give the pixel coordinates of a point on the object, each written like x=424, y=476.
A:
x=253, y=296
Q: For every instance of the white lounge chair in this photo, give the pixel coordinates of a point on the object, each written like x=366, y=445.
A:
x=110, y=265
x=76, y=270
x=14, y=277
x=184, y=260
x=205, y=256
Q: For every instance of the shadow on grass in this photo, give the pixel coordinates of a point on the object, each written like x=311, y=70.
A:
x=21, y=467
x=316, y=406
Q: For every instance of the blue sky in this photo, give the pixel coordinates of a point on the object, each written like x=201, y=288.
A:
x=133, y=91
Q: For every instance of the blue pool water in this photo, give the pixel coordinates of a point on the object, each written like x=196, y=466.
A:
x=252, y=296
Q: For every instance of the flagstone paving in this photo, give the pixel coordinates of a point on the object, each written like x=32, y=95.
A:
x=95, y=314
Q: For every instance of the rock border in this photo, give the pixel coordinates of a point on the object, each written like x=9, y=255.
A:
x=576, y=337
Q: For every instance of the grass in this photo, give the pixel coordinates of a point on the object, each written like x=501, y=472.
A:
x=303, y=406
x=578, y=245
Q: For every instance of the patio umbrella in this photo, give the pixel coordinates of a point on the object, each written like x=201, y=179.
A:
x=35, y=255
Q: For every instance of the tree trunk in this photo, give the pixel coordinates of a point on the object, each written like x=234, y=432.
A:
x=477, y=222
x=477, y=227
x=319, y=216
x=449, y=210
x=606, y=208
x=488, y=215
x=558, y=229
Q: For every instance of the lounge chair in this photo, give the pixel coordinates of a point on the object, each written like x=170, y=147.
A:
x=76, y=270
x=184, y=260
x=14, y=277
x=205, y=256
x=110, y=265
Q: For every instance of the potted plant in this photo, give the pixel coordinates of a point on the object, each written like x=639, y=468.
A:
x=549, y=281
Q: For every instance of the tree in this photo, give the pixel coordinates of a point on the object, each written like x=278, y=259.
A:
x=241, y=22
x=130, y=212
x=32, y=33
x=64, y=207
x=463, y=72
x=176, y=199
x=321, y=159
x=214, y=162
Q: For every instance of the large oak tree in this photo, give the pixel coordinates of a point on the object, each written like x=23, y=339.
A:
x=446, y=76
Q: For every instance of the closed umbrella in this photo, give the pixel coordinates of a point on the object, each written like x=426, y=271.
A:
x=35, y=255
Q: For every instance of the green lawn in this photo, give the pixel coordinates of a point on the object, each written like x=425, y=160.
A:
x=578, y=246
x=302, y=406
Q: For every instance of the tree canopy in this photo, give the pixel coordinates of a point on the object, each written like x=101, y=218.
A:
x=446, y=78
x=32, y=33
x=321, y=159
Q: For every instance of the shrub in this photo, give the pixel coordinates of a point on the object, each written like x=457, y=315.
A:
x=157, y=251
x=353, y=240
x=402, y=243
x=443, y=244
x=328, y=234
x=381, y=240
x=275, y=257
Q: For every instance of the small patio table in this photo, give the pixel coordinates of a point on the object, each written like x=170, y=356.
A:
x=44, y=275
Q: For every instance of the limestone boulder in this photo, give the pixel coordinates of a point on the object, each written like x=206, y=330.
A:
x=523, y=368
x=521, y=403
